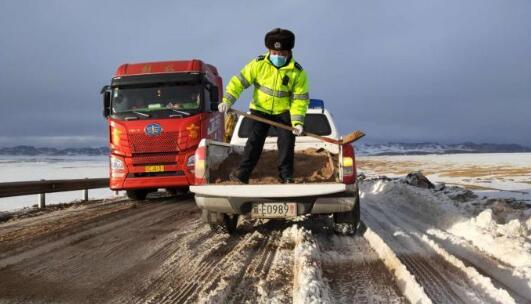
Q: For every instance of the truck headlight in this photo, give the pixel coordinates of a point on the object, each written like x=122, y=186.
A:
x=117, y=164
x=190, y=162
x=115, y=136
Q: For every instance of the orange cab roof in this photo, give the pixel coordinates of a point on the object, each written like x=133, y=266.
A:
x=158, y=67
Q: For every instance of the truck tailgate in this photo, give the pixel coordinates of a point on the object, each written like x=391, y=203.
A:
x=269, y=191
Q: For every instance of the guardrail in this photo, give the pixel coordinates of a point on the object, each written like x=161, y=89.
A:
x=49, y=186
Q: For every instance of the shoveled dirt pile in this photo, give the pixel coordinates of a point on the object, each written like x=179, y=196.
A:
x=311, y=166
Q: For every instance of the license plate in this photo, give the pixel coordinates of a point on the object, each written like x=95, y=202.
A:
x=158, y=168
x=274, y=210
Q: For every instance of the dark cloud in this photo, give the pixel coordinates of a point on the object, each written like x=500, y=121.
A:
x=446, y=71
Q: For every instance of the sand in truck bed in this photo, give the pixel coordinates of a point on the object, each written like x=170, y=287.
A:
x=310, y=166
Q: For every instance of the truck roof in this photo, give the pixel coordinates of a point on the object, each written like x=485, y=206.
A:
x=159, y=67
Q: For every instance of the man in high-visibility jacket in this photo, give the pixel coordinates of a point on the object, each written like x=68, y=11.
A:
x=280, y=94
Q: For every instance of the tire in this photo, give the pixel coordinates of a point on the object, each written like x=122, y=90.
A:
x=178, y=191
x=347, y=223
x=221, y=223
x=137, y=195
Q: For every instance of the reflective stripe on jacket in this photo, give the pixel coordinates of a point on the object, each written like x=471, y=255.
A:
x=276, y=90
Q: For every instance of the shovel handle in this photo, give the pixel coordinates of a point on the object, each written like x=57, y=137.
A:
x=285, y=127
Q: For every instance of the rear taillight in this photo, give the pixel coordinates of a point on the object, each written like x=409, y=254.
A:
x=348, y=164
x=200, y=164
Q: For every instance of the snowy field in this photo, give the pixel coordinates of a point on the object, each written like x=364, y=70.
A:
x=31, y=168
x=505, y=175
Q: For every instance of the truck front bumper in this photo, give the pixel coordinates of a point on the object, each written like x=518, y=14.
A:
x=149, y=182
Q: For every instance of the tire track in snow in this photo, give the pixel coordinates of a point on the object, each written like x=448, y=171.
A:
x=107, y=258
x=228, y=269
x=355, y=272
x=248, y=288
x=496, y=274
x=162, y=253
x=338, y=269
x=434, y=284
x=441, y=276
x=485, y=272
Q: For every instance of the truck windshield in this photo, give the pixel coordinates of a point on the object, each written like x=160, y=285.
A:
x=160, y=101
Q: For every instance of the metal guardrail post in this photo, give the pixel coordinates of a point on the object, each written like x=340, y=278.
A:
x=85, y=193
x=42, y=199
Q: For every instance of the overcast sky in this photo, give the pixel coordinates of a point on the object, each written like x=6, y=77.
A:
x=445, y=71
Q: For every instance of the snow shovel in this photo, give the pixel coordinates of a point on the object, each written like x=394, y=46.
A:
x=347, y=139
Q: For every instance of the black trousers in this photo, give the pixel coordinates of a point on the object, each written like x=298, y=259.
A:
x=255, y=144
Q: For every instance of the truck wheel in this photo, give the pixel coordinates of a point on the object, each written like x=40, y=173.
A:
x=347, y=222
x=221, y=222
x=138, y=195
x=178, y=191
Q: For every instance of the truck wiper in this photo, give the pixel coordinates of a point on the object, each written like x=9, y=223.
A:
x=141, y=114
x=132, y=117
x=180, y=112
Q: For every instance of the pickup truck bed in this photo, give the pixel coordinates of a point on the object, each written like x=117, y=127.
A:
x=325, y=183
x=311, y=166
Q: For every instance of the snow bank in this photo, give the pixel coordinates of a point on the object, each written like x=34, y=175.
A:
x=504, y=235
x=482, y=282
x=491, y=174
x=308, y=284
x=499, y=230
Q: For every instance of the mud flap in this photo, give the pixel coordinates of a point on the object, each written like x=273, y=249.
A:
x=220, y=222
x=348, y=222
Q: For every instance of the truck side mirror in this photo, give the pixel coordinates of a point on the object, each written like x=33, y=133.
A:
x=106, y=92
x=214, y=96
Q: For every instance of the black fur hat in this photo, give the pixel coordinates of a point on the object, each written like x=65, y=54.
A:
x=280, y=40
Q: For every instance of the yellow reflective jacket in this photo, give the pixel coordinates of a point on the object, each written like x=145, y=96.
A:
x=276, y=90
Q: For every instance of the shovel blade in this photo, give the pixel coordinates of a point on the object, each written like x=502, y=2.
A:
x=352, y=137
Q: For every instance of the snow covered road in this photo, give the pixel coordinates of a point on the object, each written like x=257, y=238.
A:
x=160, y=252
x=417, y=247
x=419, y=225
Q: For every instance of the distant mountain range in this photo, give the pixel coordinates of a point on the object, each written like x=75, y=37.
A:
x=435, y=148
x=33, y=151
x=361, y=149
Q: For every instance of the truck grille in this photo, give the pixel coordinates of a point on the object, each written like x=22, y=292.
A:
x=165, y=142
x=154, y=158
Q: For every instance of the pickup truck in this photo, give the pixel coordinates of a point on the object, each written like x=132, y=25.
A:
x=222, y=204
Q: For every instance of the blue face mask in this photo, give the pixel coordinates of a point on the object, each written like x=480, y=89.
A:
x=278, y=60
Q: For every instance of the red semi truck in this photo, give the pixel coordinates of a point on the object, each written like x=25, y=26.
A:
x=157, y=113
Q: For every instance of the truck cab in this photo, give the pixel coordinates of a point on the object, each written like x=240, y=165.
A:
x=157, y=113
